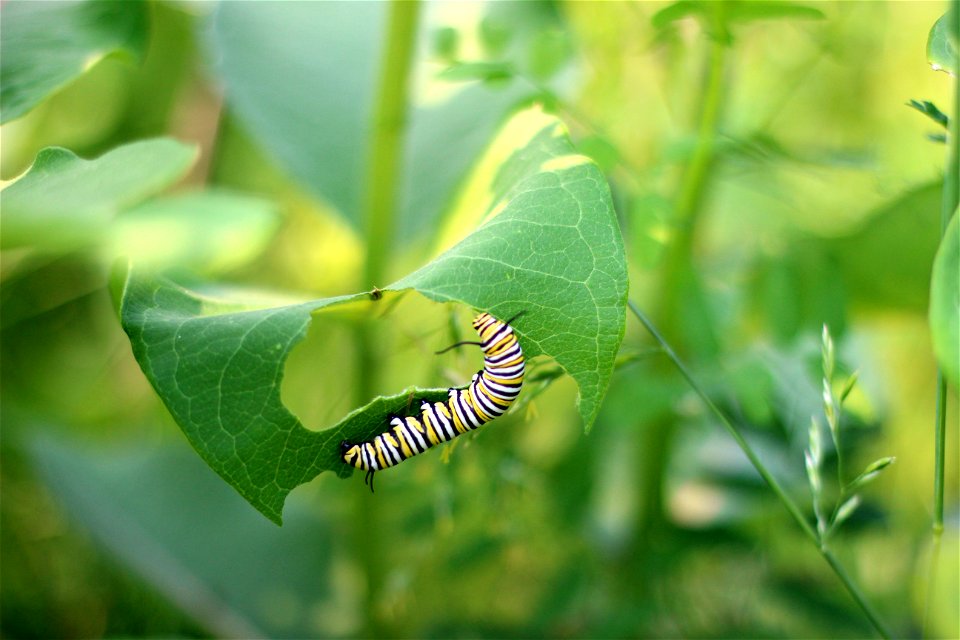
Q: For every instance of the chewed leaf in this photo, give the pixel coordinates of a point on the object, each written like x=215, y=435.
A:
x=547, y=244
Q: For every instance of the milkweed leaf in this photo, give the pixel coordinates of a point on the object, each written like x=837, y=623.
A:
x=545, y=241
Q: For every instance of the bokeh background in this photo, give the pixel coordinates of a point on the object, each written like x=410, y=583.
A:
x=769, y=178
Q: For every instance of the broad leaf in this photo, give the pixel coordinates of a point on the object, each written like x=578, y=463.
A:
x=64, y=201
x=329, y=53
x=945, y=303
x=887, y=262
x=547, y=244
x=44, y=45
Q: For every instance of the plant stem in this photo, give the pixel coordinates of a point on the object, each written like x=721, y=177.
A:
x=854, y=591
x=939, y=454
x=948, y=205
x=383, y=175
x=679, y=280
x=790, y=505
x=385, y=151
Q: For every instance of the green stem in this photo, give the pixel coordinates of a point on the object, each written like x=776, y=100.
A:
x=385, y=151
x=790, y=505
x=855, y=592
x=939, y=454
x=382, y=181
x=948, y=205
x=679, y=279
x=692, y=189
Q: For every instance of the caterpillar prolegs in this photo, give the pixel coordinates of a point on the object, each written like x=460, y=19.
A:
x=490, y=393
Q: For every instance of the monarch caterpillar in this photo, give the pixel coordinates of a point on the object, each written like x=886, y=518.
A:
x=489, y=394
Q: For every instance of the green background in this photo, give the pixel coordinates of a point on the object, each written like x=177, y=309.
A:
x=765, y=174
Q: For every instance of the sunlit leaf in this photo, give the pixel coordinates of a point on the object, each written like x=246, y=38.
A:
x=945, y=303
x=206, y=231
x=748, y=10
x=731, y=11
x=47, y=44
x=545, y=243
x=676, y=11
x=64, y=201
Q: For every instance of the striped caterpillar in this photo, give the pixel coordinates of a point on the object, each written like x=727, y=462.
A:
x=490, y=393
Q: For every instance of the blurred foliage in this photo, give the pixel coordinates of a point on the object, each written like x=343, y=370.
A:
x=815, y=199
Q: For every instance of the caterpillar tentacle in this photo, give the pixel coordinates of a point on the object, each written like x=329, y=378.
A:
x=490, y=393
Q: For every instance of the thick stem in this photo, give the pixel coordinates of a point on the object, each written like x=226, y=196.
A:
x=383, y=175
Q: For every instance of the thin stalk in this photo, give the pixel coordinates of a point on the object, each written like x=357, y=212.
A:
x=939, y=454
x=790, y=505
x=948, y=204
x=382, y=180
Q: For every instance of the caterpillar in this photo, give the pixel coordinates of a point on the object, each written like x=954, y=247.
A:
x=489, y=394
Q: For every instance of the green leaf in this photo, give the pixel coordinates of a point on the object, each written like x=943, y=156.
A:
x=945, y=303
x=887, y=262
x=942, y=44
x=748, y=10
x=47, y=44
x=930, y=110
x=731, y=11
x=205, y=232
x=676, y=11
x=329, y=53
x=64, y=201
x=486, y=71
x=553, y=250
x=547, y=244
